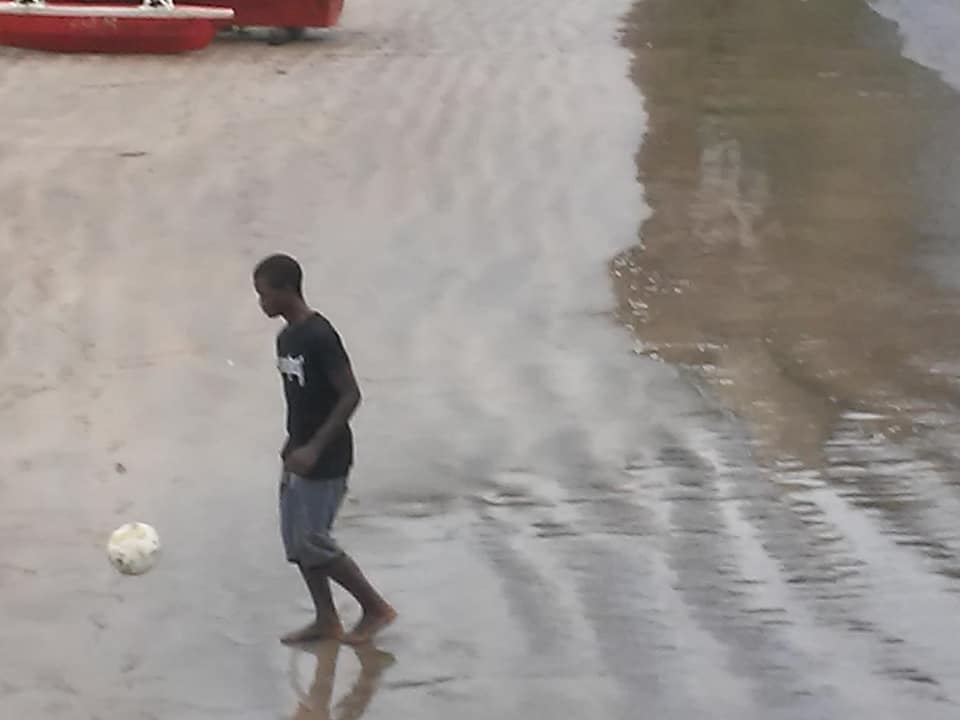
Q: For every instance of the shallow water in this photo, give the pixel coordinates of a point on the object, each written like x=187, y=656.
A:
x=568, y=528
x=798, y=263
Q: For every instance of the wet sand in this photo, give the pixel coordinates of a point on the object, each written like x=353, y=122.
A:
x=799, y=262
x=568, y=529
x=797, y=166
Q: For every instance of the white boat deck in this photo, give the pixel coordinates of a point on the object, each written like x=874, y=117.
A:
x=162, y=12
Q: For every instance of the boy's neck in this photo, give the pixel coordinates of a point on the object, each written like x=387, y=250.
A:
x=300, y=311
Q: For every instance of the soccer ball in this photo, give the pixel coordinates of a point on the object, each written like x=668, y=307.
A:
x=133, y=548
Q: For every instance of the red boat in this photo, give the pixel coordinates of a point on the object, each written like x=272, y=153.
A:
x=288, y=14
x=155, y=26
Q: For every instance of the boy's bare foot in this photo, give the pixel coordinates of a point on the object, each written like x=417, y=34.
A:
x=317, y=630
x=370, y=624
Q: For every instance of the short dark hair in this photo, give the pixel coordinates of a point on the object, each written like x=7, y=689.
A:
x=281, y=272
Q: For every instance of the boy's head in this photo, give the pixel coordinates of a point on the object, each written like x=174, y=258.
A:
x=278, y=280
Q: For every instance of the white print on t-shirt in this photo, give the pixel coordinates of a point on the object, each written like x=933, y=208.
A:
x=292, y=367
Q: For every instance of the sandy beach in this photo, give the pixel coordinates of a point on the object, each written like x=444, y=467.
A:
x=658, y=403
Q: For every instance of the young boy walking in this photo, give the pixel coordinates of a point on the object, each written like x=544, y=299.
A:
x=321, y=395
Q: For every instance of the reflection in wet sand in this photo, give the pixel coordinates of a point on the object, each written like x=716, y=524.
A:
x=787, y=150
x=315, y=703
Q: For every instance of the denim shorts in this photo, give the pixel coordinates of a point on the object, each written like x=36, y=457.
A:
x=308, y=508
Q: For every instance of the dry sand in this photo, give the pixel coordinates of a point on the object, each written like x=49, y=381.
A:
x=567, y=529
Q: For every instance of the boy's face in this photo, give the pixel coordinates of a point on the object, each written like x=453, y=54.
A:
x=272, y=300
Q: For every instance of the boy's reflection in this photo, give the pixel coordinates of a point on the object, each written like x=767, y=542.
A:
x=315, y=704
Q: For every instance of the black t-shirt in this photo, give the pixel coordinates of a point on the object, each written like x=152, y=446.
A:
x=307, y=353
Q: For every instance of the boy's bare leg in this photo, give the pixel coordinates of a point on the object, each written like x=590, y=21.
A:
x=377, y=612
x=327, y=625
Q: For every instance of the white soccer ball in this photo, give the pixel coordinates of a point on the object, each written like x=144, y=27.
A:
x=134, y=548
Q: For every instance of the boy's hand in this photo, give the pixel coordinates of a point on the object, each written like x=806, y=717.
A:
x=301, y=461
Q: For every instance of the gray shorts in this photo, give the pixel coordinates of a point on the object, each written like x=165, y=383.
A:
x=307, y=512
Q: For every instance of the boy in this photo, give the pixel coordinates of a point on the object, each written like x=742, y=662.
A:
x=321, y=395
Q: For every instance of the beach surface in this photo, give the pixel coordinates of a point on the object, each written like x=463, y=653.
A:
x=652, y=312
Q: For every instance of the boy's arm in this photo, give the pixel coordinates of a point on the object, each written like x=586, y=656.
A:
x=334, y=360
x=348, y=392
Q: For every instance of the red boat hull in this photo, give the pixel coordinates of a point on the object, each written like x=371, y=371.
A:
x=282, y=13
x=106, y=34
x=77, y=31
